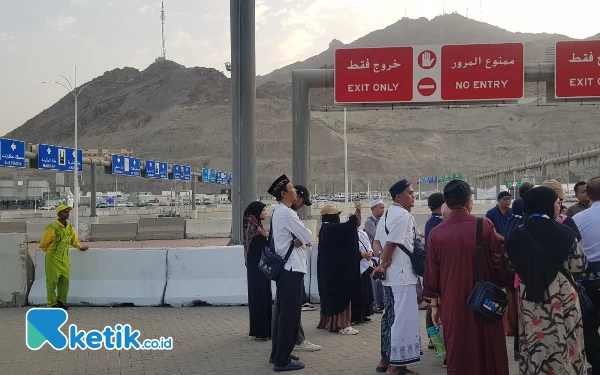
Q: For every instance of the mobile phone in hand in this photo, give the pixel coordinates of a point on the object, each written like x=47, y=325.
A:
x=379, y=275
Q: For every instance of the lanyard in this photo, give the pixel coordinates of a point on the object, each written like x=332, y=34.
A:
x=540, y=215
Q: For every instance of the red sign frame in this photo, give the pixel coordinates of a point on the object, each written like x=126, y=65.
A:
x=496, y=70
x=576, y=75
x=483, y=72
x=373, y=71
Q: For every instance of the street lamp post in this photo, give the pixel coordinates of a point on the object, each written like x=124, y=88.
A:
x=75, y=92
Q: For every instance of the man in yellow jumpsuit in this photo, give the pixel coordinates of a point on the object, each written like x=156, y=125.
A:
x=56, y=241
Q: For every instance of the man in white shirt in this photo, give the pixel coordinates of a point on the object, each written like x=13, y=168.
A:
x=400, y=332
x=286, y=227
x=588, y=223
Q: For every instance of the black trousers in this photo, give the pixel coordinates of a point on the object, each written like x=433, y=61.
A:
x=289, y=310
x=591, y=324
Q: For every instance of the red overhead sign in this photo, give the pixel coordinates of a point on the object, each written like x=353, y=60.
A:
x=375, y=75
x=422, y=74
x=577, y=69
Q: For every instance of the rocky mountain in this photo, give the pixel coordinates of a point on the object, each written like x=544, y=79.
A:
x=176, y=114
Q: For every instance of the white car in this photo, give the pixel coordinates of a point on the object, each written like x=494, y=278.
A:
x=48, y=208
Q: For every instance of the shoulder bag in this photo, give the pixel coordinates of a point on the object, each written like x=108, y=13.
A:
x=417, y=256
x=585, y=303
x=270, y=263
x=486, y=299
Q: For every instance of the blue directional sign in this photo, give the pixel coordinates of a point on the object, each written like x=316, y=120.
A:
x=57, y=158
x=125, y=165
x=230, y=178
x=222, y=178
x=12, y=153
x=182, y=172
x=212, y=176
x=157, y=169
x=205, y=175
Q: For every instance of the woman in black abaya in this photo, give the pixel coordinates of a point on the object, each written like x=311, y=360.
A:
x=338, y=269
x=260, y=298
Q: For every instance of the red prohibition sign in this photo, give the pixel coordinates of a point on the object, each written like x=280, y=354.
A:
x=426, y=86
x=427, y=59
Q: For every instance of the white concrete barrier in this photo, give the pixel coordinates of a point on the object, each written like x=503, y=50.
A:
x=13, y=227
x=108, y=277
x=207, y=228
x=169, y=228
x=16, y=270
x=113, y=232
x=35, y=231
x=209, y=275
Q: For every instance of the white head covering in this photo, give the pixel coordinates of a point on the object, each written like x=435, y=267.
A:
x=376, y=202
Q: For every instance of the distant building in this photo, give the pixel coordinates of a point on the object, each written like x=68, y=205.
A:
x=102, y=152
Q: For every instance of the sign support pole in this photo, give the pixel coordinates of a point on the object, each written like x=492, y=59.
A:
x=93, y=197
x=346, y=208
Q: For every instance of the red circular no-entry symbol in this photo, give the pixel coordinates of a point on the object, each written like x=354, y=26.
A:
x=426, y=86
x=427, y=59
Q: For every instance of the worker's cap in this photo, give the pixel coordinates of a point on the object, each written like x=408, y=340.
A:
x=330, y=210
x=557, y=187
x=62, y=208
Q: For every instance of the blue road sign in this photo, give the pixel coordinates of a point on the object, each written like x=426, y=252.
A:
x=12, y=153
x=125, y=165
x=230, y=178
x=212, y=176
x=205, y=175
x=182, y=172
x=157, y=169
x=57, y=158
x=222, y=178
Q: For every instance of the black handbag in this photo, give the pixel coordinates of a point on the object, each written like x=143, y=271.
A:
x=417, y=256
x=486, y=299
x=270, y=263
x=585, y=303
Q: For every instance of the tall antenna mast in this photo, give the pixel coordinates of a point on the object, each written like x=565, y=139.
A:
x=163, y=54
x=444, y=8
x=480, y=11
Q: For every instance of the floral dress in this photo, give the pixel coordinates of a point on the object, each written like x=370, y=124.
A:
x=551, y=333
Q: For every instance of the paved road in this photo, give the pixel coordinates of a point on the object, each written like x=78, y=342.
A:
x=207, y=341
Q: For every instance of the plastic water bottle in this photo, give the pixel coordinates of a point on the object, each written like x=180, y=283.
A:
x=437, y=338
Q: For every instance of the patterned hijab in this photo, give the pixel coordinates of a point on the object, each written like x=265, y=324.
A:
x=252, y=226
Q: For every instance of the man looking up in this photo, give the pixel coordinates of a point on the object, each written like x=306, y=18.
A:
x=285, y=228
x=56, y=241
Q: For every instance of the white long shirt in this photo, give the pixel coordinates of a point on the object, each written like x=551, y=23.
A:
x=588, y=223
x=286, y=222
x=364, y=245
x=401, y=225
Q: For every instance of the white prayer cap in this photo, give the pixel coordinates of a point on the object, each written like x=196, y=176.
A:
x=376, y=202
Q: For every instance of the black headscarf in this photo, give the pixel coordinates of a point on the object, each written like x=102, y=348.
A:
x=338, y=263
x=538, y=248
x=252, y=225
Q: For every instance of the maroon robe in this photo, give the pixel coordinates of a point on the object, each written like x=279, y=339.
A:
x=474, y=345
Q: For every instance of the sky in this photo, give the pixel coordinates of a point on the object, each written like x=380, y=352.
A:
x=41, y=39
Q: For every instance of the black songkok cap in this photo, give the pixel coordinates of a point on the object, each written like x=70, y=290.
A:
x=457, y=189
x=398, y=188
x=435, y=201
x=278, y=185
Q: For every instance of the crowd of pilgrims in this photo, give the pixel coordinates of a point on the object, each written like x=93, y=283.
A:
x=536, y=251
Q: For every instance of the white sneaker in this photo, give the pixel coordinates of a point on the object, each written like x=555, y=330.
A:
x=308, y=307
x=307, y=346
x=348, y=331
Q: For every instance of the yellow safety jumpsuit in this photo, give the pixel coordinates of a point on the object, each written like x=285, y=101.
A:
x=55, y=242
